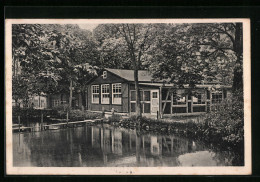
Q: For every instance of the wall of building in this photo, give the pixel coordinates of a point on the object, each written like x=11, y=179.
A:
x=149, y=105
x=39, y=102
x=56, y=100
x=123, y=107
x=182, y=103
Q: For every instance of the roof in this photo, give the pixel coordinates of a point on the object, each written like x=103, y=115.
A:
x=146, y=76
x=171, y=85
x=143, y=75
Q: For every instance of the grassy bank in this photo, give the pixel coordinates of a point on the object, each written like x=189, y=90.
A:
x=223, y=126
x=30, y=115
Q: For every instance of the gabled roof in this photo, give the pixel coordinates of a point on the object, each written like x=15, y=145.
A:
x=143, y=75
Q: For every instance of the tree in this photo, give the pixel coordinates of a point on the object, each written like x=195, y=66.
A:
x=174, y=58
x=226, y=40
x=124, y=43
x=45, y=56
x=31, y=61
x=74, y=48
x=192, y=53
x=85, y=73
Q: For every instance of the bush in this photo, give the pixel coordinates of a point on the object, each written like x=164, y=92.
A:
x=226, y=122
x=223, y=125
x=115, y=118
x=78, y=115
x=34, y=115
x=31, y=115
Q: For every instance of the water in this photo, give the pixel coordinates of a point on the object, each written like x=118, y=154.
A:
x=107, y=146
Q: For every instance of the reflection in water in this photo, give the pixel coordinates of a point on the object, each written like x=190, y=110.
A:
x=104, y=145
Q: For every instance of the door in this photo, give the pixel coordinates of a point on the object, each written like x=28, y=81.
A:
x=154, y=101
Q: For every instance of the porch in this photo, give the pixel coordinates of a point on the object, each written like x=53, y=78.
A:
x=165, y=100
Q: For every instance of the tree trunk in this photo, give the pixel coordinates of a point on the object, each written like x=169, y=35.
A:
x=238, y=69
x=138, y=149
x=39, y=101
x=138, y=102
x=70, y=99
x=83, y=98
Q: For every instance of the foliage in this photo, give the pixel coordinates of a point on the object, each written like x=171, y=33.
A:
x=226, y=122
x=76, y=115
x=32, y=115
x=195, y=53
x=224, y=125
x=46, y=58
x=125, y=45
x=115, y=118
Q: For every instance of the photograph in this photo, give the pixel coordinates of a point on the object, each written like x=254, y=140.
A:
x=128, y=96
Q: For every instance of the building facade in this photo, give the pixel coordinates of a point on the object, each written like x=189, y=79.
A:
x=115, y=90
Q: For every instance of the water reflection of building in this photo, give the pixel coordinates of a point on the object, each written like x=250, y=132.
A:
x=110, y=141
x=156, y=146
x=116, y=142
x=105, y=146
x=119, y=145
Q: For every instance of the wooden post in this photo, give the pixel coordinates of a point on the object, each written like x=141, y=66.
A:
x=70, y=98
x=103, y=112
x=42, y=121
x=160, y=102
x=113, y=111
x=167, y=95
x=67, y=118
x=157, y=114
x=19, y=122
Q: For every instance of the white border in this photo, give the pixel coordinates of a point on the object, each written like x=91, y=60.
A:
x=116, y=93
x=245, y=170
x=92, y=96
x=105, y=93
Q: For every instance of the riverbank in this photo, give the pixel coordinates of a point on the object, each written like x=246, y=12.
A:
x=50, y=116
x=192, y=127
x=221, y=128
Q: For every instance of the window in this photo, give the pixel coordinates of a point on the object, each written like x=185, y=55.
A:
x=199, y=98
x=104, y=74
x=145, y=99
x=95, y=94
x=155, y=95
x=179, y=98
x=105, y=94
x=36, y=102
x=133, y=96
x=42, y=103
x=55, y=103
x=116, y=96
x=147, y=96
x=62, y=102
x=216, y=97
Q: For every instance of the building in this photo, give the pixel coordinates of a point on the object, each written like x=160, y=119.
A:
x=115, y=89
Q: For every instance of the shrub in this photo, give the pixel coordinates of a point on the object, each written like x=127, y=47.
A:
x=78, y=115
x=226, y=122
x=115, y=118
x=31, y=115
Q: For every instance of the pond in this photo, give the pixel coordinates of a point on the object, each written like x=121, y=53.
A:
x=107, y=146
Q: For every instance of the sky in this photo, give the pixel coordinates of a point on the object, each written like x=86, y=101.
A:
x=89, y=27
